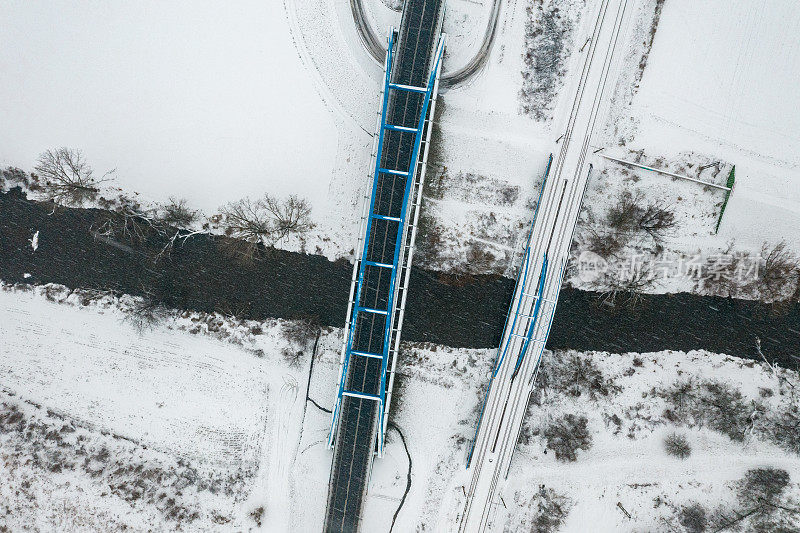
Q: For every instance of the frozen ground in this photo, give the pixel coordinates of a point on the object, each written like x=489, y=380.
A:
x=713, y=90
x=171, y=394
x=208, y=411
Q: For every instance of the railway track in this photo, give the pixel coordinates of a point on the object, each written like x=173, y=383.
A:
x=537, y=291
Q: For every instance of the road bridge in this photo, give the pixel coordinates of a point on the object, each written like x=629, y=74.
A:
x=383, y=264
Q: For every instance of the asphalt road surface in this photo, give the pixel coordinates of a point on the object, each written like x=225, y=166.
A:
x=374, y=45
x=355, y=439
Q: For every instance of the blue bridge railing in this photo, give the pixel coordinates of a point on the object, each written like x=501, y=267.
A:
x=356, y=310
x=513, y=315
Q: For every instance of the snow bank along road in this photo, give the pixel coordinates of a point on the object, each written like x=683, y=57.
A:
x=540, y=279
x=355, y=439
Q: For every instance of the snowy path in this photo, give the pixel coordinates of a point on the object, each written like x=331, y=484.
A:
x=273, y=487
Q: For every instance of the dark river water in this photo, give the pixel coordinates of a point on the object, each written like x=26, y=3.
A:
x=456, y=311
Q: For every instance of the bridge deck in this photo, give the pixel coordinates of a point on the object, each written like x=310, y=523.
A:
x=355, y=441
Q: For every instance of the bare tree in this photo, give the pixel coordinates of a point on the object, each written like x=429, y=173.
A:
x=302, y=331
x=126, y=219
x=623, y=216
x=290, y=216
x=246, y=219
x=773, y=276
x=69, y=180
x=657, y=219
x=146, y=312
x=778, y=275
x=247, y=222
x=607, y=243
x=625, y=286
x=627, y=215
x=265, y=221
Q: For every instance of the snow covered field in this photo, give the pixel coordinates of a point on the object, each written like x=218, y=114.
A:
x=218, y=413
x=227, y=407
x=704, y=95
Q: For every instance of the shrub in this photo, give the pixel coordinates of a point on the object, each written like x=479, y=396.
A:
x=721, y=273
x=605, y=244
x=624, y=286
x=246, y=219
x=773, y=276
x=693, y=518
x=783, y=428
x=677, y=445
x=293, y=357
x=301, y=331
x=629, y=216
x=778, y=275
x=552, y=509
x=712, y=404
x=479, y=258
x=177, y=214
x=290, y=216
x=146, y=313
x=394, y=5
x=547, y=36
x=624, y=214
x=763, y=484
x=568, y=434
x=574, y=373
x=257, y=515
x=16, y=177
x=430, y=241
x=243, y=251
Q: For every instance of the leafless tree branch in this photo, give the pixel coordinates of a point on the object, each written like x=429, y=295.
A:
x=68, y=178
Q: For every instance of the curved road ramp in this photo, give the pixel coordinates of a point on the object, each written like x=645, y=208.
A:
x=381, y=270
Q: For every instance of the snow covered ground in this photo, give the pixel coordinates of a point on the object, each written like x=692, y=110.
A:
x=207, y=411
x=186, y=99
x=693, y=89
x=229, y=407
x=713, y=90
x=625, y=460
